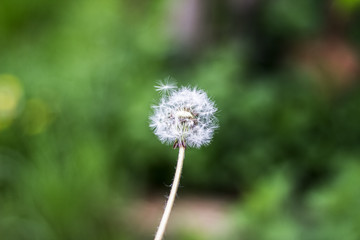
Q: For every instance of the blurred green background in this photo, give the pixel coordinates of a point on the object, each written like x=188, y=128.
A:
x=79, y=161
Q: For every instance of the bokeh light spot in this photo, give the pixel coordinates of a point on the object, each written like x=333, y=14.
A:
x=11, y=92
x=36, y=116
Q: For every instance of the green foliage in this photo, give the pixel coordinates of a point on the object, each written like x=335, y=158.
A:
x=266, y=212
x=292, y=17
x=334, y=207
x=347, y=5
x=324, y=213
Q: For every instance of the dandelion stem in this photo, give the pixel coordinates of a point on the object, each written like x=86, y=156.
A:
x=164, y=220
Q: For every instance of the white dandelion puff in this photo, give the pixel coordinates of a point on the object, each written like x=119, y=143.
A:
x=185, y=117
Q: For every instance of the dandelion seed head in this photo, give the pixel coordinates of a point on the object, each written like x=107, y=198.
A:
x=184, y=117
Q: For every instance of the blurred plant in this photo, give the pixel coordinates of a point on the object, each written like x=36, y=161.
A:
x=334, y=207
x=347, y=5
x=269, y=212
x=266, y=212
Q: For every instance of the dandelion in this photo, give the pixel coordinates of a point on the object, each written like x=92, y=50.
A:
x=185, y=117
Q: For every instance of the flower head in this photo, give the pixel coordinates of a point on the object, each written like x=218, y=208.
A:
x=184, y=117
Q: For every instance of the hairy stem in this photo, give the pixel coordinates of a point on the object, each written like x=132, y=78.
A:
x=164, y=220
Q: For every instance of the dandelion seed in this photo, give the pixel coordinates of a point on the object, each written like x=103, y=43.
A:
x=165, y=86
